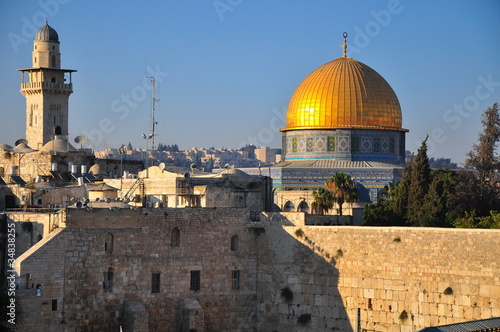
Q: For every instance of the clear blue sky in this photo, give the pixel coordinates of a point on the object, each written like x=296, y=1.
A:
x=226, y=69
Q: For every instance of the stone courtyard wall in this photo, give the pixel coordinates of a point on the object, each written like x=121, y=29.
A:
x=400, y=278
x=142, y=246
x=293, y=277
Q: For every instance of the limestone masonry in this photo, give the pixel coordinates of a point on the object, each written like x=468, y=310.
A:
x=271, y=274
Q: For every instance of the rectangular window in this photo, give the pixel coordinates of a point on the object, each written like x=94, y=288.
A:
x=108, y=282
x=195, y=280
x=235, y=279
x=155, y=282
x=54, y=305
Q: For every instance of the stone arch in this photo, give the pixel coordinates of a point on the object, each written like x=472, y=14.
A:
x=303, y=207
x=288, y=207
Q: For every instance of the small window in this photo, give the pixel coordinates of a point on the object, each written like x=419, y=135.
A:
x=108, y=282
x=53, y=79
x=35, y=59
x=54, y=305
x=155, y=282
x=108, y=243
x=175, y=237
x=235, y=279
x=53, y=59
x=234, y=243
x=195, y=280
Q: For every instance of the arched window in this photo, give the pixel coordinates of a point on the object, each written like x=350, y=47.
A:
x=303, y=207
x=53, y=60
x=53, y=79
x=108, y=243
x=288, y=207
x=175, y=237
x=235, y=241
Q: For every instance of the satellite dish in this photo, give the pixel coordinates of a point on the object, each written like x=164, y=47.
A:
x=144, y=136
x=192, y=166
x=81, y=139
x=21, y=140
x=162, y=166
x=79, y=204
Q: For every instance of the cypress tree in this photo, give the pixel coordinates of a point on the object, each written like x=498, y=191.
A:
x=402, y=190
x=419, y=186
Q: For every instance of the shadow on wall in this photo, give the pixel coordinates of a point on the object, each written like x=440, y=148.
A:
x=298, y=281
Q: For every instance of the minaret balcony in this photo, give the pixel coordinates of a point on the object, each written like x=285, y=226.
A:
x=47, y=86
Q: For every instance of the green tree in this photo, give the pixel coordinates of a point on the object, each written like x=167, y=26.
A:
x=402, y=190
x=435, y=209
x=323, y=201
x=342, y=188
x=484, y=160
x=419, y=186
x=471, y=220
x=382, y=214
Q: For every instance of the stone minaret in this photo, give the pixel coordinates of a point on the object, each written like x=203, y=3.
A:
x=46, y=88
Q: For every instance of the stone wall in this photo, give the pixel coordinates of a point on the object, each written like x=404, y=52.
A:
x=401, y=279
x=293, y=277
x=72, y=268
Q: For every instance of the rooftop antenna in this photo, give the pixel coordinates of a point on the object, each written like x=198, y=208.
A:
x=153, y=122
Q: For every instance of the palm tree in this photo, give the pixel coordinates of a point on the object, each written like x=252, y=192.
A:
x=342, y=188
x=323, y=201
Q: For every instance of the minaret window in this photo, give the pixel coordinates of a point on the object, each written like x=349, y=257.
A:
x=53, y=60
x=35, y=60
x=53, y=79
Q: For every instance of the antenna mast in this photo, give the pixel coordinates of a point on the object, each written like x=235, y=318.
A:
x=153, y=101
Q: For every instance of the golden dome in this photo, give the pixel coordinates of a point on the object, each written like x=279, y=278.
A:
x=344, y=93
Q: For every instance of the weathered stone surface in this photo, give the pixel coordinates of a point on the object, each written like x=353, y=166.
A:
x=332, y=271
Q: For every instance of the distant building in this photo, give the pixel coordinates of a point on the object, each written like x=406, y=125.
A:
x=268, y=155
